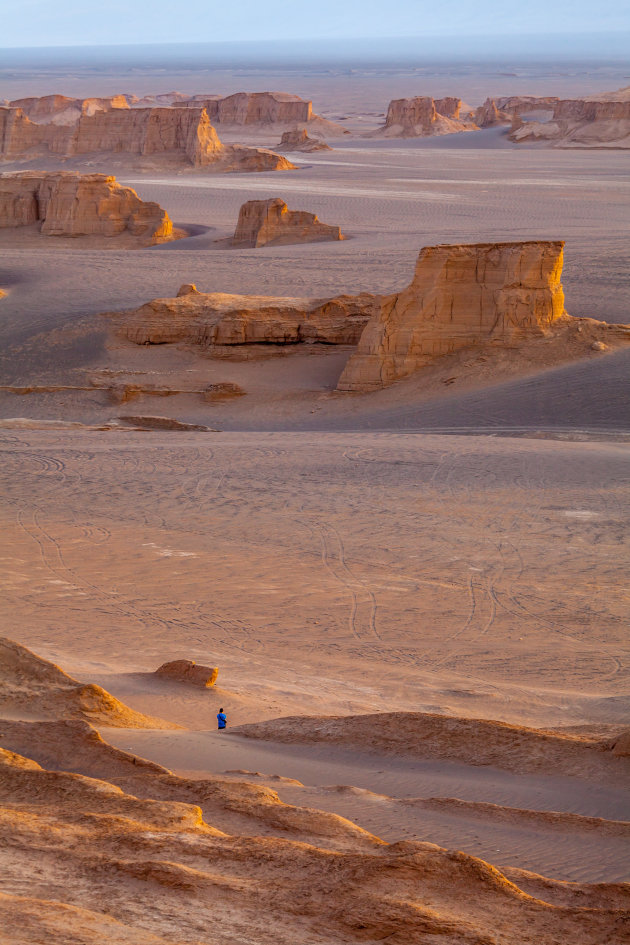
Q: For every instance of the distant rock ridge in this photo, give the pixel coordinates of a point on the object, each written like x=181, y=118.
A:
x=254, y=108
x=460, y=296
x=595, y=121
x=180, y=134
x=590, y=122
x=271, y=223
x=72, y=205
x=422, y=116
x=62, y=110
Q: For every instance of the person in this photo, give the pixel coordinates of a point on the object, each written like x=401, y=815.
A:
x=221, y=719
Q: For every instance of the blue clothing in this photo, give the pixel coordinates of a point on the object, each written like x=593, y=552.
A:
x=222, y=719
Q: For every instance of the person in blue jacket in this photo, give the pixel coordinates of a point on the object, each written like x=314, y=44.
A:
x=221, y=719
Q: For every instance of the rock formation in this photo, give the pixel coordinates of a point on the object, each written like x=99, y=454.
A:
x=216, y=321
x=460, y=296
x=271, y=223
x=298, y=140
x=187, y=671
x=70, y=204
x=62, y=110
x=179, y=135
x=489, y=114
x=423, y=115
x=254, y=108
x=595, y=122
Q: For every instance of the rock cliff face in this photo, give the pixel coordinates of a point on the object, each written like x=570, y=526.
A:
x=460, y=296
x=177, y=134
x=422, y=115
x=217, y=320
x=69, y=204
x=271, y=223
x=298, y=140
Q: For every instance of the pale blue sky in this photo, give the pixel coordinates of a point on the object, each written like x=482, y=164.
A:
x=77, y=22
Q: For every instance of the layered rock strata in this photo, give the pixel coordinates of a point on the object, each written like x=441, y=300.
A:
x=460, y=296
x=271, y=223
x=423, y=115
x=185, y=135
x=217, y=320
x=72, y=205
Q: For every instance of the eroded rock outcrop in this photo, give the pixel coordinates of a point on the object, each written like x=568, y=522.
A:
x=298, y=140
x=217, y=321
x=72, y=205
x=595, y=122
x=423, y=115
x=271, y=223
x=177, y=135
x=254, y=108
x=188, y=671
x=489, y=114
x=62, y=110
x=460, y=296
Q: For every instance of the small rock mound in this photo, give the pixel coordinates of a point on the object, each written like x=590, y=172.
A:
x=298, y=140
x=621, y=745
x=271, y=223
x=188, y=288
x=164, y=423
x=187, y=671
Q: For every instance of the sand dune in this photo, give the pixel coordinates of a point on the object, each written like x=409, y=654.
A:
x=40, y=689
x=474, y=741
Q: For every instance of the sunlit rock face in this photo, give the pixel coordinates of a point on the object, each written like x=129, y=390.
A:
x=460, y=296
x=69, y=204
x=271, y=223
x=184, y=135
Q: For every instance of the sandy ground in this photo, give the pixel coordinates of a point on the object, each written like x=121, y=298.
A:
x=334, y=556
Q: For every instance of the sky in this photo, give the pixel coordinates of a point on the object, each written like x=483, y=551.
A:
x=77, y=22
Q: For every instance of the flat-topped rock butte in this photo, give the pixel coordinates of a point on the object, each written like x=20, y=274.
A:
x=75, y=205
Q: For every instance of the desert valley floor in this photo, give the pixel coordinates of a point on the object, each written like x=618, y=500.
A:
x=417, y=598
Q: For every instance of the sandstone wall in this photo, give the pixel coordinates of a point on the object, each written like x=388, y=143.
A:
x=460, y=296
x=68, y=204
x=184, y=134
x=231, y=320
x=271, y=223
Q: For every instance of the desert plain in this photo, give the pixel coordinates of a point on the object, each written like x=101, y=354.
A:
x=416, y=597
